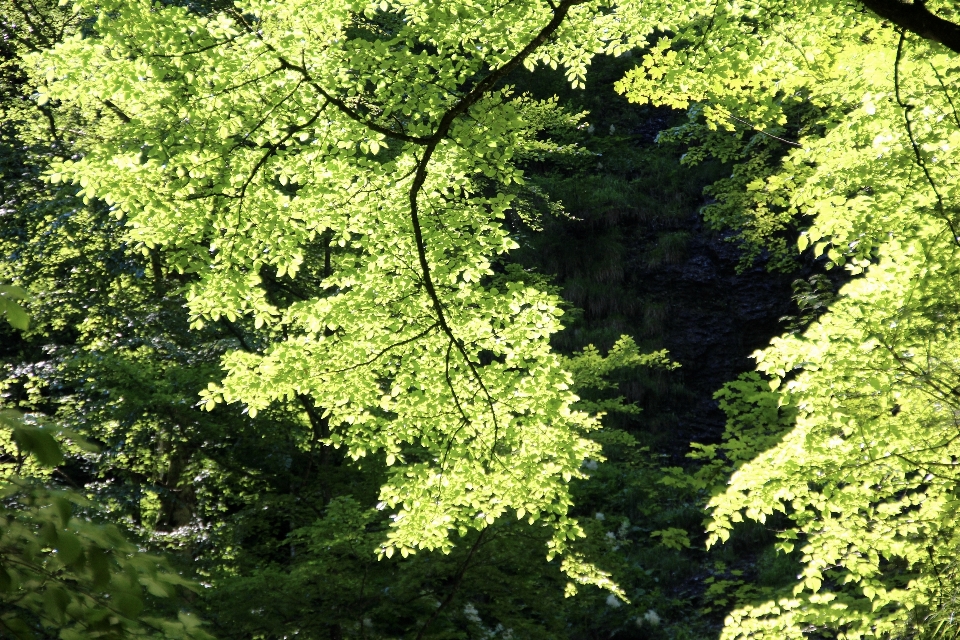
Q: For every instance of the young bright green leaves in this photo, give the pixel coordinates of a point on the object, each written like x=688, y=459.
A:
x=374, y=135
x=863, y=117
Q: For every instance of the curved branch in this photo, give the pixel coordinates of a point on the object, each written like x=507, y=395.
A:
x=331, y=99
x=344, y=108
x=443, y=128
x=457, y=581
x=485, y=85
x=380, y=353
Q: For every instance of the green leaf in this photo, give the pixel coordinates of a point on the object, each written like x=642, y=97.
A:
x=56, y=601
x=15, y=314
x=99, y=567
x=68, y=547
x=129, y=604
x=40, y=444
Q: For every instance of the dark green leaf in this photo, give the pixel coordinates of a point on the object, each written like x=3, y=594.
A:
x=68, y=547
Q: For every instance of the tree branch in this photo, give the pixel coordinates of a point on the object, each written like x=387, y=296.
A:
x=457, y=580
x=916, y=18
x=420, y=177
x=116, y=110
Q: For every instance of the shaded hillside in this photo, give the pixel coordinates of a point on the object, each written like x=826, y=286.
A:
x=636, y=258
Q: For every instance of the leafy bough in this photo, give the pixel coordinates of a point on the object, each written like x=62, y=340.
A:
x=377, y=135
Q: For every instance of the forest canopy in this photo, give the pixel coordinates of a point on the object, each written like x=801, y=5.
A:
x=258, y=267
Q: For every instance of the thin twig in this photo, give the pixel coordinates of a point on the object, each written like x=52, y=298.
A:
x=377, y=355
x=458, y=579
x=907, y=108
x=946, y=94
x=764, y=133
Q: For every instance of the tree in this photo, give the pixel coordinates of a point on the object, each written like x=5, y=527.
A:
x=863, y=446
x=108, y=351
x=355, y=147
x=331, y=178
x=61, y=572
x=255, y=505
